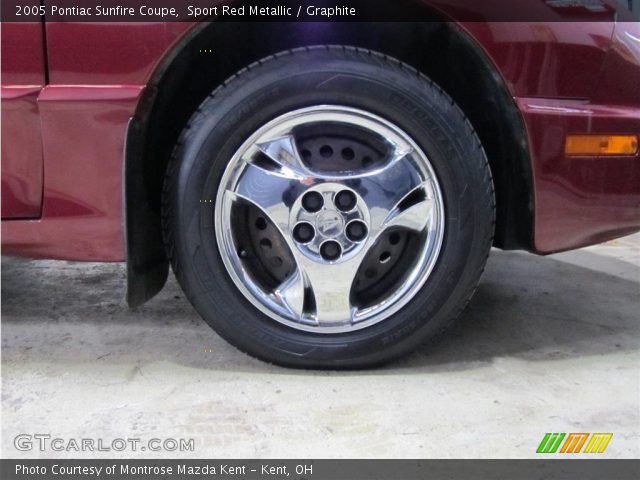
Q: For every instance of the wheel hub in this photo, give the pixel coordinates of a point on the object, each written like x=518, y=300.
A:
x=323, y=219
x=329, y=223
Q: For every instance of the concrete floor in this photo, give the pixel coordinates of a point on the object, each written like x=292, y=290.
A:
x=546, y=345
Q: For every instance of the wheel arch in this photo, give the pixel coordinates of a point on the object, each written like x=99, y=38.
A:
x=174, y=93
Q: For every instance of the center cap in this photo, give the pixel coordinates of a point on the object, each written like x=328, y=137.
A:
x=329, y=223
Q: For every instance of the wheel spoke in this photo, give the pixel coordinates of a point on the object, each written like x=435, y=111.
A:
x=271, y=191
x=331, y=287
x=396, y=194
x=284, y=152
x=291, y=294
x=413, y=212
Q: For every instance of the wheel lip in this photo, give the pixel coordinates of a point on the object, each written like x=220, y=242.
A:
x=254, y=294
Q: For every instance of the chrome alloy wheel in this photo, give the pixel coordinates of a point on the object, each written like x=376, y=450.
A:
x=329, y=219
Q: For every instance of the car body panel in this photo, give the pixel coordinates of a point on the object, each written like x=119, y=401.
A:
x=551, y=60
x=23, y=59
x=23, y=77
x=580, y=200
x=574, y=78
x=83, y=128
x=110, y=53
x=95, y=85
x=22, y=174
x=620, y=79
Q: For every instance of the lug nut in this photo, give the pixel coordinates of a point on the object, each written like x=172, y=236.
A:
x=304, y=232
x=330, y=250
x=356, y=231
x=312, y=201
x=345, y=200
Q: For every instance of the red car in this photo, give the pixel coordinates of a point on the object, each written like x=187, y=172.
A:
x=326, y=193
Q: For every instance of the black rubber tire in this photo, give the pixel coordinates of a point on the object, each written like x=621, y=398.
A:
x=340, y=76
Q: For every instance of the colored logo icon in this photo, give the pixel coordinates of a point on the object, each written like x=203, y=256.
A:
x=574, y=443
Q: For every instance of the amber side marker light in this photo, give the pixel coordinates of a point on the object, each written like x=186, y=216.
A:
x=601, y=145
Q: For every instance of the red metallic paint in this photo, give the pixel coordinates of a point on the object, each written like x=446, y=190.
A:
x=22, y=48
x=551, y=69
x=110, y=53
x=573, y=78
x=21, y=152
x=580, y=200
x=620, y=80
x=553, y=59
x=23, y=76
x=83, y=129
x=93, y=90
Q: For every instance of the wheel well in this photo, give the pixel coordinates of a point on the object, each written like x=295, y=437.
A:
x=440, y=50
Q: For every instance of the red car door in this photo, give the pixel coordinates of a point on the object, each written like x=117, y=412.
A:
x=23, y=77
